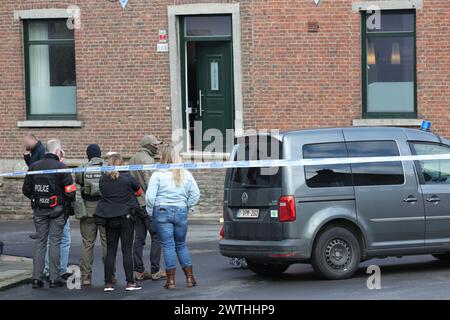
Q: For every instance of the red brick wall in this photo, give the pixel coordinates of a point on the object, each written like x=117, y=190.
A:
x=291, y=78
x=433, y=64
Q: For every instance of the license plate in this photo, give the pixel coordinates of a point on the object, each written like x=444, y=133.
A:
x=248, y=213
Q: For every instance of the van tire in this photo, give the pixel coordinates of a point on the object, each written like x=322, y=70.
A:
x=331, y=246
x=442, y=256
x=267, y=269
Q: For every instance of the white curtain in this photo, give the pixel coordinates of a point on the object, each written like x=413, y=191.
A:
x=39, y=70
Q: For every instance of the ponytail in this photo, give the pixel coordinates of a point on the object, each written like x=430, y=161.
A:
x=114, y=160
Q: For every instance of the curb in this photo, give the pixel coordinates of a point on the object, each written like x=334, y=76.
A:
x=14, y=271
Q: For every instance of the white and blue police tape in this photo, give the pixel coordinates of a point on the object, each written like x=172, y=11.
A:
x=237, y=164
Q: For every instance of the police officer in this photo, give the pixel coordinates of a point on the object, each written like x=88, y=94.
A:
x=90, y=193
x=51, y=196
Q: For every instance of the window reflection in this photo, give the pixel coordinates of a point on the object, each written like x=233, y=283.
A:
x=327, y=176
x=380, y=173
x=434, y=171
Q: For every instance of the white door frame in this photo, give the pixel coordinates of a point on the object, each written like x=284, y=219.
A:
x=173, y=13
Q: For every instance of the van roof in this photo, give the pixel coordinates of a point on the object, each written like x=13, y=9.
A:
x=412, y=134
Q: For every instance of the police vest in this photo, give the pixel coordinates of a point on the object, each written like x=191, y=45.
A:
x=45, y=194
x=91, y=183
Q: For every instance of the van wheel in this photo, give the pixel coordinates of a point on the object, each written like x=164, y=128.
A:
x=336, y=254
x=442, y=256
x=267, y=269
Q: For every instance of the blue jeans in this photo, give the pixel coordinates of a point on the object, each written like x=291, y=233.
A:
x=172, y=225
x=64, y=255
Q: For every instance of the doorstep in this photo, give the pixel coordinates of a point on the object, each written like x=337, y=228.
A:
x=14, y=270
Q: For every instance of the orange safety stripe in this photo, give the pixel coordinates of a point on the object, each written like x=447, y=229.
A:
x=71, y=188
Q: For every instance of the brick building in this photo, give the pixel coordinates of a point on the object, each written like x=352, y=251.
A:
x=112, y=73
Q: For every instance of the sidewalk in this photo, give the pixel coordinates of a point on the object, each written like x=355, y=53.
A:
x=14, y=270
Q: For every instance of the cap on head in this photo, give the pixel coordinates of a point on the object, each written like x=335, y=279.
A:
x=149, y=139
x=93, y=151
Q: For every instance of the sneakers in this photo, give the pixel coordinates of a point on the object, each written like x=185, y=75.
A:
x=133, y=287
x=160, y=275
x=57, y=284
x=130, y=287
x=86, y=282
x=109, y=288
x=142, y=276
x=66, y=276
x=37, y=284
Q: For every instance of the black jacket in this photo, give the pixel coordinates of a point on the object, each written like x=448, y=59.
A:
x=36, y=154
x=118, y=196
x=59, y=180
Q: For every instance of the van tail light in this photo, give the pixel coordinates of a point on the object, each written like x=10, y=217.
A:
x=222, y=233
x=286, y=209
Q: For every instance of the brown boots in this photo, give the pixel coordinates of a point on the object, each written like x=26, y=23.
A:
x=170, y=283
x=190, y=280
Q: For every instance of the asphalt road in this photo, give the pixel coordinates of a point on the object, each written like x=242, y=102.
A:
x=417, y=277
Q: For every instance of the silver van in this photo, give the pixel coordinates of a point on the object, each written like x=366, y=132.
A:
x=335, y=216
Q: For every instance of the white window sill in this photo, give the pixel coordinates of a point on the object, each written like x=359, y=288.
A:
x=205, y=156
x=50, y=124
x=43, y=14
x=387, y=122
x=387, y=5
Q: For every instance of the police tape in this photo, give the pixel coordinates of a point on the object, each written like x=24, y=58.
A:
x=237, y=164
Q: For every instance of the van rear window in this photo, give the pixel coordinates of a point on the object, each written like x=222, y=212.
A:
x=256, y=148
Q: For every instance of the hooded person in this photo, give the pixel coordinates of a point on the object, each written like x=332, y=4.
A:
x=143, y=224
x=90, y=194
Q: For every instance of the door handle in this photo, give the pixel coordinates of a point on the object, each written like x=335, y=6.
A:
x=410, y=199
x=434, y=199
x=200, y=95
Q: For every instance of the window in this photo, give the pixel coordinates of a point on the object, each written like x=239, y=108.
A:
x=379, y=173
x=327, y=176
x=433, y=171
x=256, y=148
x=49, y=70
x=208, y=25
x=389, y=64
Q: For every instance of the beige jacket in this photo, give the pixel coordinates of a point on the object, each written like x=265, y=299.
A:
x=143, y=157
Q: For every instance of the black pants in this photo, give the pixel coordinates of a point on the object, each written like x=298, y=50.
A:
x=144, y=225
x=119, y=228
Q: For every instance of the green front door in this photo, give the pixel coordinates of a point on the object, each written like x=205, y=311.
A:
x=215, y=87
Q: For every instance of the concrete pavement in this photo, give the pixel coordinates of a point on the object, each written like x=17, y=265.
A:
x=14, y=270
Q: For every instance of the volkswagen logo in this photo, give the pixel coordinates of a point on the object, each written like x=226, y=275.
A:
x=244, y=198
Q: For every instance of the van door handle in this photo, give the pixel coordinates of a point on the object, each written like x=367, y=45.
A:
x=434, y=199
x=410, y=199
